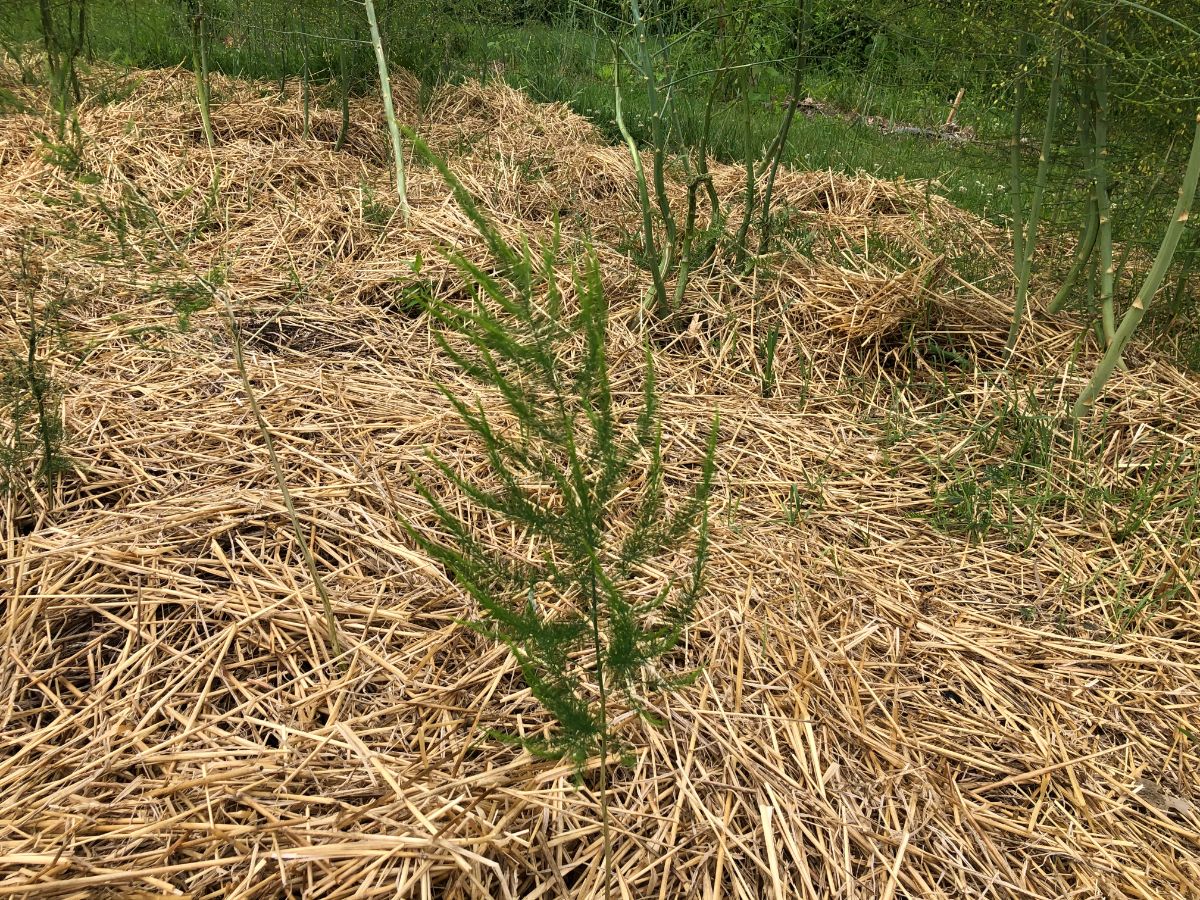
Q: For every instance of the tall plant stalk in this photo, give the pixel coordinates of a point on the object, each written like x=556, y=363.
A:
x=655, y=259
x=1153, y=281
x=659, y=256
x=700, y=178
x=565, y=477
x=389, y=111
x=50, y=39
x=343, y=81
x=200, y=68
x=703, y=176
x=1016, y=182
x=1093, y=292
x=207, y=285
x=658, y=131
x=1090, y=227
x=1083, y=253
x=305, y=77
x=1103, y=202
x=1030, y=238
x=803, y=16
x=740, y=242
x=63, y=45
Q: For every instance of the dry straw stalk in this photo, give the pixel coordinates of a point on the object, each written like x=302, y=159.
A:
x=884, y=709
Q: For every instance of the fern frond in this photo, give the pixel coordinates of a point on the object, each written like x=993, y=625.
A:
x=568, y=479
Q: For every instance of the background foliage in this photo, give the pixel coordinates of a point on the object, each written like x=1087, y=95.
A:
x=882, y=75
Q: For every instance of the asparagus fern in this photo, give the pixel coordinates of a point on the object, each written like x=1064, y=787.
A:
x=565, y=475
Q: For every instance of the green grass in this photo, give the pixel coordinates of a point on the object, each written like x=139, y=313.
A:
x=551, y=64
x=1022, y=464
x=576, y=68
x=274, y=40
x=269, y=41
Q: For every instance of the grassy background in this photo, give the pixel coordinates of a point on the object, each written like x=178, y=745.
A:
x=862, y=73
x=573, y=65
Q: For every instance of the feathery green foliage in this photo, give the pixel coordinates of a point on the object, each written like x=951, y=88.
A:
x=35, y=449
x=565, y=476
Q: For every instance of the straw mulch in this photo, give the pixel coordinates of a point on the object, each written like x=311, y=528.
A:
x=885, y=708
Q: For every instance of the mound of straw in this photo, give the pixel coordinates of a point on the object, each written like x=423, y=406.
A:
x=884, y=709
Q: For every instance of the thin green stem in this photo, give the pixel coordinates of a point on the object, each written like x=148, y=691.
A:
x=37, y=390
x=1083, y=253
x=764, y=228
x=657, y=129
x=269, y=441
x=200, y=65
x=1016, y=182
x=305, y=77
x=389, y=110
x=1030, y=237
x=50, y=39
x=264, y=429
x=702, y=150
x=1103, y=203
x=343, y=83
x=602, y=688
x=741, y=250
x=662, y=303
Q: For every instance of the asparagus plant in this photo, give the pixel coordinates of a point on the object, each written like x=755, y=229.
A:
x=30, y=398
x=656, y=106
x=1016, y=185
x=64, y=28
x=803, y=24
x=1103, y=203
x=1091, y=220
x=567, y=476
x=1153, y=281
x=343, y=80
x=748, y=151
x=389, y=109
x=1028, y=242
x=1083, y=254
x=200, y=68
x=658, y=259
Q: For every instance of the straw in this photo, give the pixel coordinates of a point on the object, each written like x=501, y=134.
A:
x=883, y=709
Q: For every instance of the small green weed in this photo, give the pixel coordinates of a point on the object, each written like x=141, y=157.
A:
x=1010, y=494
x=35, y=448
x=374, y=211
x=188, y=297
x=964, y=505
x=66, y=154
x=802, y=501
x=1162, y=469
